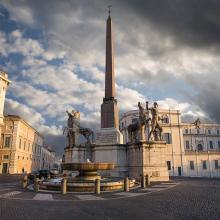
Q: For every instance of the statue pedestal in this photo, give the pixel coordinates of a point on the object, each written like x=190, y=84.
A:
x=78, y=154
x=109, y=148
x=108, y=136
x=148, y=157
x=68, y=154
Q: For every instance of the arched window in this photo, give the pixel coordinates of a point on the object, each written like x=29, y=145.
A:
x=200, y=147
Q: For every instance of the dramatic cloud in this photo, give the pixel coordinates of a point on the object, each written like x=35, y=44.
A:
x=54, y=52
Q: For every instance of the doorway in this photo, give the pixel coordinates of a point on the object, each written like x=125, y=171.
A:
x=179, y=171
x=5, y=168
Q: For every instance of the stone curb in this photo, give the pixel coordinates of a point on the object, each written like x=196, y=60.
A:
x=79, y=197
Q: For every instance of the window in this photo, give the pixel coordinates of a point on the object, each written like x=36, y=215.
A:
x=209, y=131
x=219, y=145
x=7, y=143
x=191, y=164
x=217, y=131
x=187, y=144
x=5, y=157
x=24, y=145
x=200, y=147
x=204, y=166
x=210, y=144
x=168, y=138
x=18, y=157
x=216, y=164
x=29, y=146
x=168, y=165
x=198, y=131
x=122, y=125
x=20, y=144
x=186, y=131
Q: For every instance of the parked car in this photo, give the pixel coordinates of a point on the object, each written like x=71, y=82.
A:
x=44, y=173
x=32, y=174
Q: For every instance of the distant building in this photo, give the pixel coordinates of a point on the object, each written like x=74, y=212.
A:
x=47, y=158
x=20, y=146
x=202, y=149
x=191, y=150
x=4, y=83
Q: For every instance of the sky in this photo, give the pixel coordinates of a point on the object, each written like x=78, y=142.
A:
x=54, y=52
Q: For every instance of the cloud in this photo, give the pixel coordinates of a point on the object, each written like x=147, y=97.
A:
x=188, y=111
x=19, y=11
x=36, y=120
x=28, y=114
x=166, y=51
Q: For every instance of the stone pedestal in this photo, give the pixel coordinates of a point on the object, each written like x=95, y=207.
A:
x=68, y=154
x=108, y=136
x=109, y=148
x=113, y=154
x=148, y=157
x=78, y=154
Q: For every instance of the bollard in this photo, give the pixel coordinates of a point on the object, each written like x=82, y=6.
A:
x=126, y=184
x=97, y=186
x=64, y=186
x=36, y=184
x=25, y=182
x=143, y=181
x=148, y=180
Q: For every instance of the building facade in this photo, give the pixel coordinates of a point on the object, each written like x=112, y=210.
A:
x=20, y=147
x=47, y=158
x=4, y=83
x=202, y=149
x=191, y=150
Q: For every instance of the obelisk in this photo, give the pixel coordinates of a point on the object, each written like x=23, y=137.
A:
x=109, y=109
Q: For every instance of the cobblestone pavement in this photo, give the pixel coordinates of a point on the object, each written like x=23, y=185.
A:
x=182, y=199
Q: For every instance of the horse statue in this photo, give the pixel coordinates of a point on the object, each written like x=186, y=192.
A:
x=87, y=133
x=139, y=125
x=73, y=129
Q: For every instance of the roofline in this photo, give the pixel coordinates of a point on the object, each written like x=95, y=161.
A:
x=207, y=124
x=18, y=118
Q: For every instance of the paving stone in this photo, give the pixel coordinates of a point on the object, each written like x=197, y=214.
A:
x=10, y=194
x=89, y=197
x=128, y=194
x=43, y=197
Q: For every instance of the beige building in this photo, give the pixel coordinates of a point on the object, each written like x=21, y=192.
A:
x=20, y=147
x=4, y=83
x=47, y=158
x=202, y=150
x=190, y=151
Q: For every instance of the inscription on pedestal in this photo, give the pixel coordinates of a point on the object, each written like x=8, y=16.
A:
x=106, y=138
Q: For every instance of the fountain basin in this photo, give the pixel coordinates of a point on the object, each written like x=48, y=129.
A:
x=74, y=185
x=87, y=171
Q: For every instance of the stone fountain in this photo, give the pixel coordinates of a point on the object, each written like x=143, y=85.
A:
x=88, y=172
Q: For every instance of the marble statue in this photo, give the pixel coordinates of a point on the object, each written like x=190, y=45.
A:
x=156, y=129
x=72, y=127
x=197, y=123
